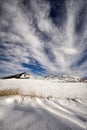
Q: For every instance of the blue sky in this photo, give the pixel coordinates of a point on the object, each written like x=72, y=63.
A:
x=43, y=37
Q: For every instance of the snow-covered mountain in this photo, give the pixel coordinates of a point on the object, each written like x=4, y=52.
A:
x=64, y=78
x=23, y=75
x=57, y=78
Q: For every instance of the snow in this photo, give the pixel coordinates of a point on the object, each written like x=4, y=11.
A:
x=64, y=78
x=47, y=88
x=65, y=110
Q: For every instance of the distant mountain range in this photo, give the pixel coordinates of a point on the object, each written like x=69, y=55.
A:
x=59, y=78
x=66, y=78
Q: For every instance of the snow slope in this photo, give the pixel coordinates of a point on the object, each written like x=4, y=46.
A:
x=66, y=110
x=42, y=114
x=46, y=88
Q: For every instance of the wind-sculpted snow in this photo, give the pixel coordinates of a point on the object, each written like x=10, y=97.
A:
x=43, y=105
x=42, y=114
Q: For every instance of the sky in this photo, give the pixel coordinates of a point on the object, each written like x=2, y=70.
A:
x=43, y=37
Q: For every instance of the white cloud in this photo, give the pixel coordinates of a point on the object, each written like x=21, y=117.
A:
x=20, y=26
x=69, y=51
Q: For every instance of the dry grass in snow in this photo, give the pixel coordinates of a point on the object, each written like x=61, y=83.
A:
x=8, y=92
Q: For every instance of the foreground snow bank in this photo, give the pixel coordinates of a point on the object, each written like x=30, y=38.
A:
x=66, y=109
x=43, y=88
x=42, y=114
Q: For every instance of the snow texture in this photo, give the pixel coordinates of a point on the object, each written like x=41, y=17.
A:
x=65, y=110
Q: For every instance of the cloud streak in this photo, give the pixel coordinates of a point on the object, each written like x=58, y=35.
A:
x=29, y=36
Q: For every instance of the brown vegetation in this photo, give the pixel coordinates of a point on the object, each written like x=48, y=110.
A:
x=17, y=91
x=8, y=92
x=32, y=95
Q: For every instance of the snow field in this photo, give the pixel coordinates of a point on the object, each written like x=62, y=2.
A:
x=54, y=106
x=43, y=88
x=41, y=114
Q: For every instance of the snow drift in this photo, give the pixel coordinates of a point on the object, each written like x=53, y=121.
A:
x=53, y=106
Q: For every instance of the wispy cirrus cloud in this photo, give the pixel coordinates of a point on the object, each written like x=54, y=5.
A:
x=33, y=39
